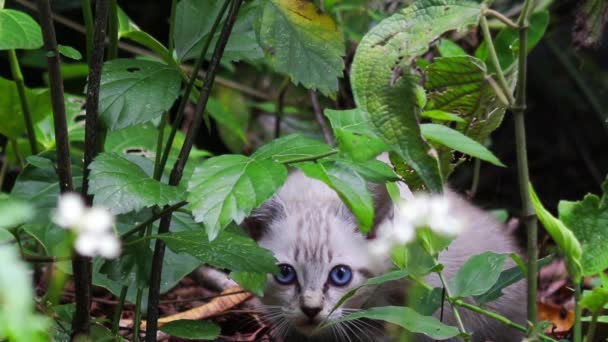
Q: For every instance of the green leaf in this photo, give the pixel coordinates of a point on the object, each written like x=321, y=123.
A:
x=226, y=188
x=563, y=237
x=18, y=321
x=12, y=122
x=69, y=52
x=451, y=138
x=293, y=146
x=123, y=186
x=458, y=85
x=441, y=116
x=349, y=185
x=372, y=170
x=228, y=250
x=150, y=42
x=507, y=278
x=136, y=91
x=18, y=31
x=390, y=276
x=448, y=48
x=225, y=117
x=353, y=130
x=125, y=24
x=193, y=22
x=477, y=275
x=301, y=41
x=406, y=318
x=383, y=85
x=192, y=330
x=254, y=282
x=506, y=42
x=14, y=212
x=595, y=300
x=588, y=220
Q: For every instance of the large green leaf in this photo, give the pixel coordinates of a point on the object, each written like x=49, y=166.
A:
x=12, y=122
x=451, y=138
x=595, y=300
x=588, y=220
x=506, y=42
x=458, y=85
x=193, y=22
x=224, y=116
x=477, y=275
x=390, y=276
x=226, y=188
x=406, y=318
x=563, y=237
x=136, y=91
x=18, y=321
x=254, y=282
x=384, y=87
x=229, y=250
x=192, y=330
x=301, y=41
x=353, y=130
x=290, y=147
x=123, y=186
x=14, y=212
x=349, y=185
x=18, y=31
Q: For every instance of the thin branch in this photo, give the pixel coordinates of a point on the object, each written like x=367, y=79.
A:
x=87, y=14
x=280, y=104
x=502, y=81
x=309, y=158
x=64, y=166
x=27, y=115
x=189, y=86
x=448, y=293
x=501, y=18
x=155, y=217
x=177, y=171
x=320, y=119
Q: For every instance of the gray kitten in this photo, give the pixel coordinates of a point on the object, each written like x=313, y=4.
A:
x=322, y=255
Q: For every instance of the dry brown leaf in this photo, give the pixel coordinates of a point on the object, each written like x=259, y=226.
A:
x=562, y=318
x=216, y=306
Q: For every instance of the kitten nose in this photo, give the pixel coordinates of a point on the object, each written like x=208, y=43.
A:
x=310, y=312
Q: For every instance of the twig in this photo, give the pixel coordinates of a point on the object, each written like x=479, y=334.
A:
x=177, y=171
x=320, y=119
x=27, y=115
x=448, y=293
x=154, y=217
x=475, y=183
x=502, y=82
x=118, y=309
x=87, y=14
x=309, y=158
x=189, y=86
x=278, y=117
x=501, y=17
x=64, y=167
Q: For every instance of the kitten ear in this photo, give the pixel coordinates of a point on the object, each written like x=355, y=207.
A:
x=260, y=219
x=383, y=207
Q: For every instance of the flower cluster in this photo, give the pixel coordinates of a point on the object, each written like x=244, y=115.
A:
x=421, y=211
x=93, y=226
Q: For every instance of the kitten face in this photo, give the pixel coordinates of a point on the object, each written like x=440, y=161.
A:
x=321, y=253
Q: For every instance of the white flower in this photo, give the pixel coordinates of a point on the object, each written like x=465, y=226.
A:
x=432, y=212
x=106, y=245
x=93, y=226
x=70, y=209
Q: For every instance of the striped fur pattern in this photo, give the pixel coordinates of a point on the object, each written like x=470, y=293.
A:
x=307, y=226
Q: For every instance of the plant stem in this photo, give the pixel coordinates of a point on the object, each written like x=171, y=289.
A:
x=279, y=107
x=154, y=217
x=18, y=156
x=177, y=171
x=137, y=319
x=158, y=172
x=118, y=310
x=83, y=270
x=592, y=326
x=27, y=115
x=527, y=213
x=502, y=82
x=501, y=17
x=475, y=183
x=64, y=167
x=504, y=320
x=314, y=100
x=309, y=158
x=448, y=293
x=171, y=41
x=186, y=96
x=3, y=170
x=578, y=332
x=113, y=30
x=87, y=14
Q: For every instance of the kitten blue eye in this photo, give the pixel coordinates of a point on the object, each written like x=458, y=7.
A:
x=286, y=276
x=340, y=275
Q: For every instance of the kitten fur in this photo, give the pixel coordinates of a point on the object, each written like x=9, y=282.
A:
x=307, y=226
